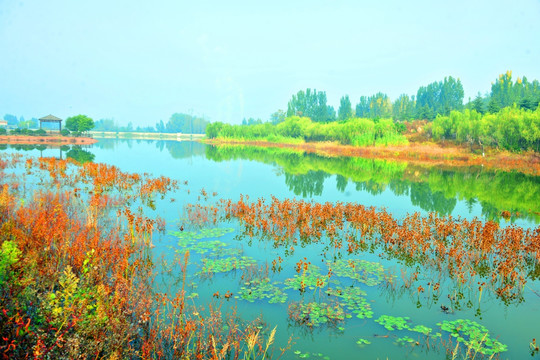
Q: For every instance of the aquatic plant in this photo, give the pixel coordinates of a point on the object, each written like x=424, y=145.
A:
x=259, y=289
x=394, y=322
x=353, y=298
x=367, y=272
x=473, y=335
x=314, y=314
x=77, y=270
x=310, y=278
x=457, y=248
x=226, y=264
x=363, y=342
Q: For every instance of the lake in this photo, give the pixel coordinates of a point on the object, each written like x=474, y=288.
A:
x=371, y=312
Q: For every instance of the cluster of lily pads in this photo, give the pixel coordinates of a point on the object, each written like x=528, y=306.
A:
x=190, y=239
x=226, y=264
x=473, y=335
x=305, y=355
x=354, y=299
x=259, y=289
x=223, y=258
x=367, y=272
x=314, y=314
x=468, y=332
x=309, y=279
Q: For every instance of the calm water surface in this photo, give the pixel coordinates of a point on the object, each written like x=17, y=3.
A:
x=261, y=173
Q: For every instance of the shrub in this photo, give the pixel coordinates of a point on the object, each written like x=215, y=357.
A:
x=65, y=132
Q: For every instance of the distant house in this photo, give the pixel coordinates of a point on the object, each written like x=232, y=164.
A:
x=51, y=119
x=3, y=123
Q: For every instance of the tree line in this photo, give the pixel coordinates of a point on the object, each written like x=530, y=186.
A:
x=436, y=98
x=177, y=123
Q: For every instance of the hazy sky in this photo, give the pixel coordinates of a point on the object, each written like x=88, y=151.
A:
x=141, y=61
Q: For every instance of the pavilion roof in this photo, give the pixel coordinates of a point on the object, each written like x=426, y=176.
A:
x=50, y=118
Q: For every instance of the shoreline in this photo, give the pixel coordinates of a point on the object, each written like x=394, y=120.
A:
x=46, y=140
x=423, y=154
x=146, y=135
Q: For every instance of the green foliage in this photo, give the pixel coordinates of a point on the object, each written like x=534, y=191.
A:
x=277, y=117
x=394, y=322
x=80, y=155
x=311, y=104
x=259, y=289
x=404, y=108
x=374, y=107
x=9, y=255
x=11, y=119
x=315, y=314
x=345, y=108
x=3, y=131
x=473, y=335
x=363, y=342
x=354, y=131
x=79, y=123
x=505, y=92
x=223, y=265
x=65, y=132
x=41, y=132
x=367, y=272
x=354, y=299
x=511, y=128
x=439, y=98
x=185, y=123
x=309, y=279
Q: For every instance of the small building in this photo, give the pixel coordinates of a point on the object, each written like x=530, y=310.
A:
x=3, y=123
x=51, y=119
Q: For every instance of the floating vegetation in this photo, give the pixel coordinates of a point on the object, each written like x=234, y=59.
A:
x=226, y=264
x=457, y=248
x=310, y=278
x=259, y=289
x=314, y=314
x=187, y=238
x=305, y=355
x=473, y=335
x=363, y=342
x=354, y=299
x=367, y=272
x=406, y=340
x=423, y=330
x=394, y=322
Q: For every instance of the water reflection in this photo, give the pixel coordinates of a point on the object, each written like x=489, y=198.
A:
x=75, y=152
x=431, y=188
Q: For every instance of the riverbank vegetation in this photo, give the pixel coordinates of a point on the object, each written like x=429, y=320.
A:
x=511, y=128
x=295, y=129
x=77, y=271
x=507, y=118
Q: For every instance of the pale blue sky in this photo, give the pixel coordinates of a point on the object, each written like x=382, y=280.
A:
x=141, y=61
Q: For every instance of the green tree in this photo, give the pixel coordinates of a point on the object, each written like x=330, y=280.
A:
x=345, y=108
x=278, y=117
x=311, y=104
x=403, y=107
x=105, y=125
x=362, y=108
x=11, y=119
x=478, y=104
x=79, y=123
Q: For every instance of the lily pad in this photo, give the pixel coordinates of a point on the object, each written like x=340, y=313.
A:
x=262, y=289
